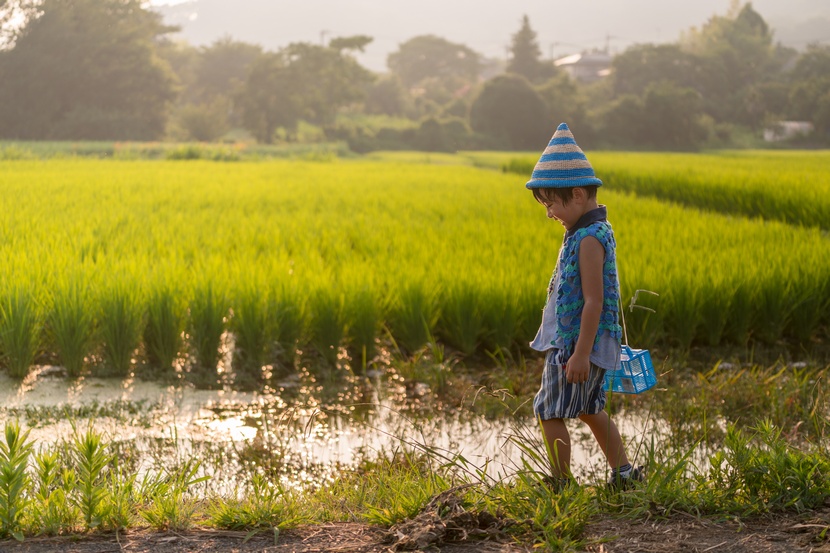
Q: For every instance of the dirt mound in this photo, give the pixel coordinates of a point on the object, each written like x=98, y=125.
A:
x=444, y=520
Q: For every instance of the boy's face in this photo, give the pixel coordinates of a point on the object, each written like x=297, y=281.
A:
x=567, y=214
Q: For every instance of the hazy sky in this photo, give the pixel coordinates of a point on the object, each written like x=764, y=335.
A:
x=562, y=26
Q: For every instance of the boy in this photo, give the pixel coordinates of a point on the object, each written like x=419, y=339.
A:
x=580, y=333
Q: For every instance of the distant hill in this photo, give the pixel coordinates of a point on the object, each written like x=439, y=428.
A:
x=485, y=27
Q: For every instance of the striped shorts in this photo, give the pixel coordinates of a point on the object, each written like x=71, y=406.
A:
x=557, y=399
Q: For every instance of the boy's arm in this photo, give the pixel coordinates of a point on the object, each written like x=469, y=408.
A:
x=591, y=259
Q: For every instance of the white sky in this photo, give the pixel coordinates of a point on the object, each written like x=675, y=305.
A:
x=562, y=26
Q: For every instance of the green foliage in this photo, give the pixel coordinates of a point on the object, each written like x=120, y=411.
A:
x=301, y=81
x=20, y=329
x=53, y=510
x=263, y=506
x=91, y=461
x=426, y=56
x=71, y=325
x=328, y=322
x=414, y=315
x=164, y=328
x=509, y=110
x=253, y=331
x=121, y=322
x=206, y=324
x=171, y=503
x=14, y=480
x=86, y=69
x=461, y=322
x=471, y=249
x=525, y=55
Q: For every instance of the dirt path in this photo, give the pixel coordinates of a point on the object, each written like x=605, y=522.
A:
x=778, y=534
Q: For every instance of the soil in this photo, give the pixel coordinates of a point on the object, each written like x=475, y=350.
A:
x=808, y=532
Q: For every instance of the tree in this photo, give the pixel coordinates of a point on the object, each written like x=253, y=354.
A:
x=673, y=117
x=526, y=57
x=512, y=113
x=643, y=64
x=270, y=98
x=428, y=56
x=86, y=69
x=809, y=97
x=387, y=96
x=735, y=52
x=302, y=81
x=566, y=103
x=222, y=68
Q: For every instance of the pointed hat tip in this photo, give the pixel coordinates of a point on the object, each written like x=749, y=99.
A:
x=562, y=127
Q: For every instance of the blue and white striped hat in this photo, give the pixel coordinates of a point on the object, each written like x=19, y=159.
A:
x=563, y=164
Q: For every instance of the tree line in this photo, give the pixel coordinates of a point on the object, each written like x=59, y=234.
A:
x=111, y=70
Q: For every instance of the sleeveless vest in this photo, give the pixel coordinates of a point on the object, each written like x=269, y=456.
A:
x=569, y=296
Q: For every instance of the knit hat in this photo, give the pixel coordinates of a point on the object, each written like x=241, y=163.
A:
x=563, y=165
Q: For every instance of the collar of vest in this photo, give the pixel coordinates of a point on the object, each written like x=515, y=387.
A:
x=593, y=216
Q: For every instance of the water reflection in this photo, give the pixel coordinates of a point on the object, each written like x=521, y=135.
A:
x=304, y=432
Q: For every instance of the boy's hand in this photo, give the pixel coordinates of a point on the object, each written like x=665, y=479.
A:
x=577, y=369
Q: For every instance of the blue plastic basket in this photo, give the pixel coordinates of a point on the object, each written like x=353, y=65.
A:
x=635, y=375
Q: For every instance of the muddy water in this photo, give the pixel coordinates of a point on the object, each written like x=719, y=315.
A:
x=304, y=432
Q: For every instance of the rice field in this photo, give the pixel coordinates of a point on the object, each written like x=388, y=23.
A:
x=789, y=186
x=107, y=262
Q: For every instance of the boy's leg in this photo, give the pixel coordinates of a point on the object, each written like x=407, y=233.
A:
x=558, y=443
x=608, y=438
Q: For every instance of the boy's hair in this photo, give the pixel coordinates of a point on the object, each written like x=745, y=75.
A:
x=565, y=195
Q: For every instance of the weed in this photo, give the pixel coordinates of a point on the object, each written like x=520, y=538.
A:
x=14, y=480
x=91, y=461
x=172, y=506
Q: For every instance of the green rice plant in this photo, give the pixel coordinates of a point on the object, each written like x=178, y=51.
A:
x=206, y=325
x=365, y=314
x=812, y=301
x=327, y=322
x=461, y=320
x=253, y=332
x=20, y=330
x=288, y=312
x=739, y=324
x=163, y=331
x=772, y=308
x=91, y=463
x=413, y=316
x=52, y=511
x=120, y=325
x=71, y=324
x=171, y=505
x=682, y=307
x=14, y=480
x=502, y=319
x=715, y=306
